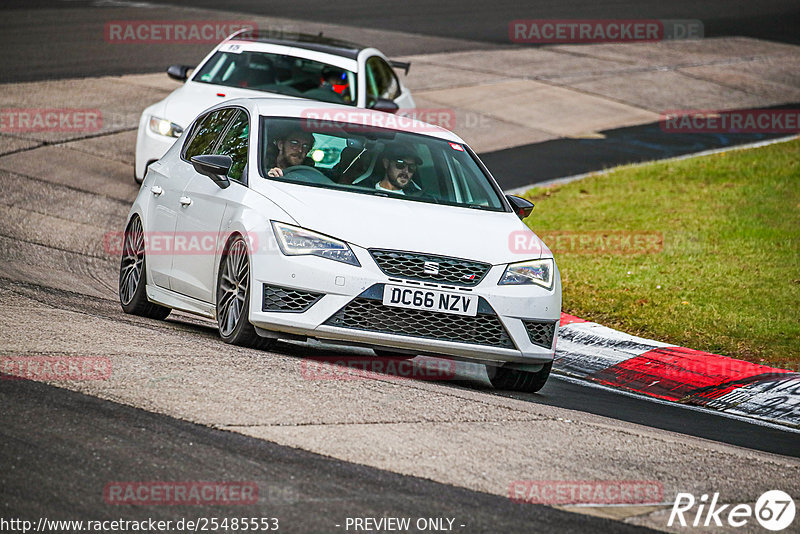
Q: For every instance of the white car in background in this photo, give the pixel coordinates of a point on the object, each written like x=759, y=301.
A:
x=324, y=250
x=249, y=64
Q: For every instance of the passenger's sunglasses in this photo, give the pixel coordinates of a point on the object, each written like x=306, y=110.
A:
x=295, y=142
x=400, y=165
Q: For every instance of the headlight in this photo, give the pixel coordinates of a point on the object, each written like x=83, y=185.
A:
x=164, y=127
x=539, y=272
x=296, y=241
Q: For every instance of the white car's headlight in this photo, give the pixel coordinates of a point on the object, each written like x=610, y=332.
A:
x=164, y=127
x=296, y=241
x=539, y=272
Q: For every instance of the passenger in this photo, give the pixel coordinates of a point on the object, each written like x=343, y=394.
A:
x=399, y=164
x=293, y=147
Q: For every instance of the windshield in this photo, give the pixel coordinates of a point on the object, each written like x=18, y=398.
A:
x=371, y=160
x=285, y=75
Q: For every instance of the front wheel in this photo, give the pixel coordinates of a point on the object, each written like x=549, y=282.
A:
x=516, y=380
x=133, y=275
x=233, y=298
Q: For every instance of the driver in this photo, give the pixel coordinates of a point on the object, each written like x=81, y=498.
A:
x=399, y=162
x=293, y=147
x=335, y=80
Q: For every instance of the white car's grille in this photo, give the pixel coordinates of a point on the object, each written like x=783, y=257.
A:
x=370, y=314
x=540, y=332
x=284, y=299
x=441, y=269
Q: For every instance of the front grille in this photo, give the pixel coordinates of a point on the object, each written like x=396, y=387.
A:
x=371, y=315
x=284, y=299
x=540, y=332
x=412, y=265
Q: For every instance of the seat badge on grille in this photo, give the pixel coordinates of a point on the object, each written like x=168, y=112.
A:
x=430, y=267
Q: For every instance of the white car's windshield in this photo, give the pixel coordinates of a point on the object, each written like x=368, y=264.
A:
x=374, y=160
x=275, y=73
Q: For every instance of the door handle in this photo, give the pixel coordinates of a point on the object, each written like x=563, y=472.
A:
x=156, y=190
x=185, y=201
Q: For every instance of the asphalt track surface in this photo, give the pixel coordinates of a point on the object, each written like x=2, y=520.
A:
x=633, y=409
x=488, y=21
x=530, y=164
x=59, y=470
x=478, y=20
x=37, y=46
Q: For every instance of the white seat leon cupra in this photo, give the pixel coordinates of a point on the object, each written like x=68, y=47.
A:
x=290, y=218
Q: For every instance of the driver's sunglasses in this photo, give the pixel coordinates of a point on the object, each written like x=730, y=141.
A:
x=295, y=142
x=400, y=165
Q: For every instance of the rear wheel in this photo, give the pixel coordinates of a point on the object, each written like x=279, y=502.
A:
x=133, y=275
x=233, y=298
x=516, y=380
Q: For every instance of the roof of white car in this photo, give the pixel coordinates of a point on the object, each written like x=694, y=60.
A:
x=316, y=43
x=310, y=109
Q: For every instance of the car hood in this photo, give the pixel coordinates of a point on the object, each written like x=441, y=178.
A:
x=377, y=222
x=187, y=102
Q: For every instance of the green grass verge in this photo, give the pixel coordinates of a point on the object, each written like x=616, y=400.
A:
x=727, y=278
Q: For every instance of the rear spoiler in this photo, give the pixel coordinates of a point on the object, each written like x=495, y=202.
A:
x=405, y=65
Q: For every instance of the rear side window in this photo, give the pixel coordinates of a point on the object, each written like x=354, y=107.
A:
x=206, y=132
x=381, y=81
x=235, y=143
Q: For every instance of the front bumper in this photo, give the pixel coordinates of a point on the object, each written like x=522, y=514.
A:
x=336, y=288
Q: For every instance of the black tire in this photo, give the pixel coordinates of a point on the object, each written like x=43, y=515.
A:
x=133, y=275
x=515, y=380
x=387, y=353
x=233, y=298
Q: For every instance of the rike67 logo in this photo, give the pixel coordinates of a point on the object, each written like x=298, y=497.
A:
x=774, y=510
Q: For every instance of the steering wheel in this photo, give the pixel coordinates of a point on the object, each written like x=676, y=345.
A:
x=316, y=173
x=295, y=168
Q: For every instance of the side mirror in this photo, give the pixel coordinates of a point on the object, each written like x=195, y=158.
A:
x=384, y=104
x=215, y=167
x=179, y=72
x=521, y=207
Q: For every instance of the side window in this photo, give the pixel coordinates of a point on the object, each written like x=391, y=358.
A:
x=205, y=133
x=381, y=81
x=235, y=143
